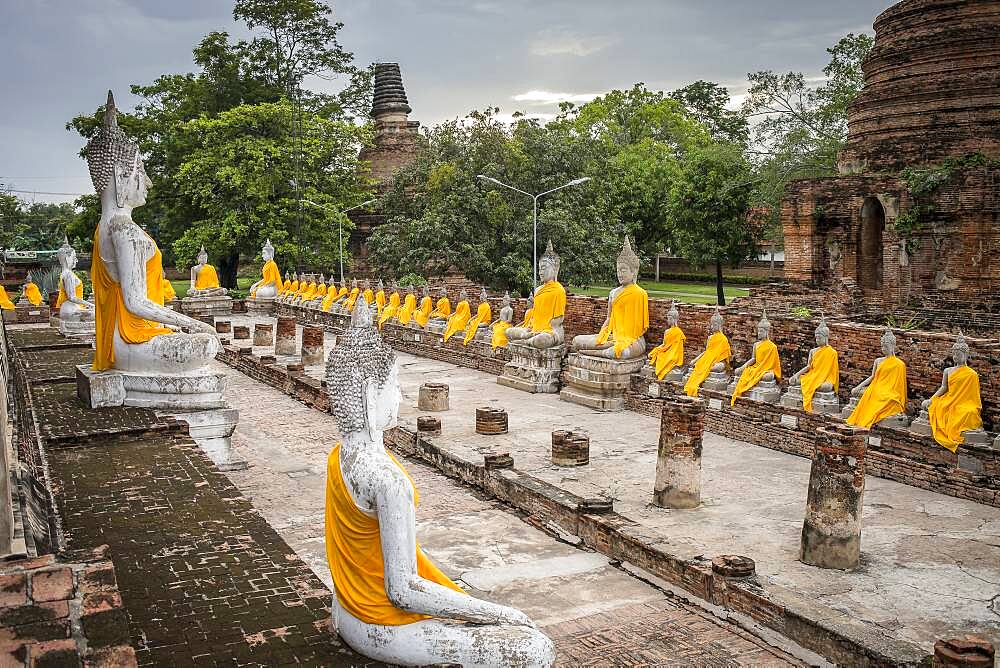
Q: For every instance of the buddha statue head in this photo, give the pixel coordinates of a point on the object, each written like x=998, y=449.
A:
x=362, y=378
x=354, y=284
x=673, y=315
x=332, y=283
x=66, y=255
x=381, y=286
x=822, y=333
x=463, y=296
x=627, y=265
x=367, y=284
x=202, y=256
x=322, y=279
x=267, y=252
x=889, y=343
x=960, y=350
x=483, y=297
x=506, y=311
x=444, y=291
x=548, y=266
x=531, y=302
x=426, y=292
x=715, y=322
x=763, y=327
x=116, y=169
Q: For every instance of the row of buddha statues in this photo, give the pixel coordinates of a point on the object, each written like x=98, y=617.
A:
x=952, y=415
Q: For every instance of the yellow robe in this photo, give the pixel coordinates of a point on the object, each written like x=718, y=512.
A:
x=765, y=359
x=354, y=554
x=110, y=312
x=957, y=410
x=670, y=354
x=528, y=315
x=332, y=297
x=499, y=339
x=884, y=397
x=406, y=311
x=423, y=315
x=284, y=286
x=442, y=309
x=207, y=278
x=825, y=368
x=63, y=297
x=716, y=350
x=458, y=320
x=167, y=293
x=320, y=292
x=5, y=303
x=379, y=302
x=483, y=315
x=292, y=289
x=308, y=293
x=390, y=310
x=270, y=274
x=628, y=322
x=33, y=294
x=550, y=302
x=369, y=296
x=351, y=298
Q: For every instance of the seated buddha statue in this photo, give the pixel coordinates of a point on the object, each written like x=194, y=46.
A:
x=529, y=313
x=391, y=603
x=762, y=371
x=204, y=279
x=71, y=304
x=5, y=303
x=306, y=290
x=881, y=397
x=442, y=309
x=481, y=320
x=814, y=388
x=714, y=360
x=380, y=298
x=292, y=290
x=287, y=284
x=347, y=305
x=548, y=310
x=134, y=331
x=169, y=294
x=334, y=295
x=502, y=324
x=668, y=357
x=954, y=414
x=423, y=314
x=622, y=336
x=405, y=314
x=390, y=310
x=30, y=294
x=458, y=320
x=267, y=286
x=320, y=294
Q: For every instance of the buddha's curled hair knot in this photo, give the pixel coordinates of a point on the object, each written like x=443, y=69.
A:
x=361, y=357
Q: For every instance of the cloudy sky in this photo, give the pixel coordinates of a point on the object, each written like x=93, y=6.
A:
x=60, y=56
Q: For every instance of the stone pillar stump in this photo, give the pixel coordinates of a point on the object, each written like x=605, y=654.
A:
x=284, y=340
x=491, y=421
x=831, y=533
x=429, y=425
x=312, y=345
x=241, y=333
x=263, y=335
x=678, y=459
x=433, y=397
x=968, y=652
x=570, y=448
x=223, y=326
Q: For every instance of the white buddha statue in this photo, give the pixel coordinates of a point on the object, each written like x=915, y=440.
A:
x=204, y=279
x=267, y=286
x=76, y=315
x=134, y=331
x=391, y=603
x=545, y=330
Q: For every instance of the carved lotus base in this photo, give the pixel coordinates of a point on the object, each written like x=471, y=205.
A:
x=260, y=306
x=201, y=307
x=26, y=313
x=766, y=391
x=598, y=382
x=77, y=328
x=717, y=381
x=197, y=390
x=533, y=370
x=825, y=403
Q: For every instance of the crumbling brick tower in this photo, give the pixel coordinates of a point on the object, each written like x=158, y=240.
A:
x=395, y=145
x=931, y=98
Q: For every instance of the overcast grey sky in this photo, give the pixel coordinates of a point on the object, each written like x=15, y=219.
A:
x=60, y=56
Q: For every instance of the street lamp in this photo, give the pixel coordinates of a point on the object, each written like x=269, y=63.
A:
x=534, y=198
x=340, y=227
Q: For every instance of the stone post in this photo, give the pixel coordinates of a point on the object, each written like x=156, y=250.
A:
x=429, y=425
x=968, y=652
x=284, y=340
x=491, y=421
x=263, y=335
x=433, y=397
x=831, y=533
x=678, y=459
x=223, y=326
x=312, y=345
x=241, y=332
x=570, y=448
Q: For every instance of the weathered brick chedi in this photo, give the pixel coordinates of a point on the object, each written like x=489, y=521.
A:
x=877, y=233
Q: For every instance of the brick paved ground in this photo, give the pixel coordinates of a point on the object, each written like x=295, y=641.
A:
x=597, y=614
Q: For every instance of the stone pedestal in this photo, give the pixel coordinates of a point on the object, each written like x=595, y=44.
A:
x=491, y=421
x=570, y=448
x=429, y=425
x=259, y=307
x=678, y=458
x=223, y=327
x=968, y=652
x=284, y=339
x=436, y=328
x=717, y=381
x=26, y=313
x=598, y=382
x=831, y=532
x=312, y=345
x=213, y=430
x=198, y=307
x=263, y=335
x=433, y=397
x=766, y=391
x=198, y=390
x=82, y=329
x=824, y=403
x=531, y=369
x=241, y=333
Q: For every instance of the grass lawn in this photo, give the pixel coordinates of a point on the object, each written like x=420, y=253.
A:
x=181, y=287
x=692, y=293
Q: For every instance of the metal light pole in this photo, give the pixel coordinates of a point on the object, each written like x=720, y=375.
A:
x=534, y=199
x=340, y=227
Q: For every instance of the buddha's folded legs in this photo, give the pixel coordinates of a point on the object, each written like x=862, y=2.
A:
x=166, y=354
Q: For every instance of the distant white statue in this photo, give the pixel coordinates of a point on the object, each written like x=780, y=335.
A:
x=74, y=311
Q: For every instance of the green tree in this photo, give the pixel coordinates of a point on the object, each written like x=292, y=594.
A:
x=240, y=172
x=12, y=220
x=708, y=209
x=709, y=103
